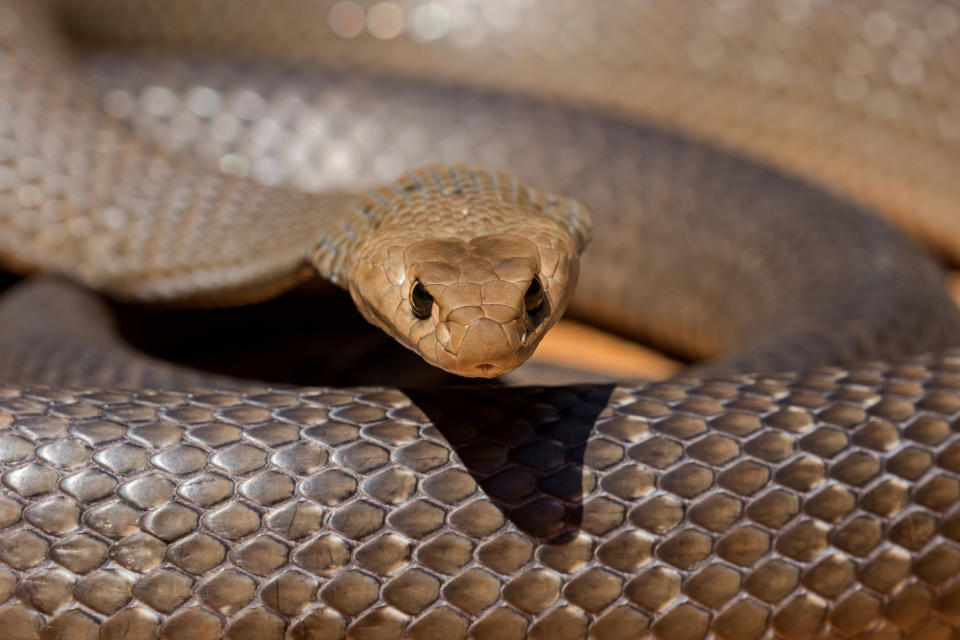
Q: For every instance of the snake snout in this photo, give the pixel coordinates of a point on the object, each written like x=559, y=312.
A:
x=488, y=349
x=486, y=330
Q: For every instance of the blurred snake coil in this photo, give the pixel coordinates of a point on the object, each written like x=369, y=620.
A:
x=750, y=167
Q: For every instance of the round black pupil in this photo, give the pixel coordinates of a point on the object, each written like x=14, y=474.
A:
x=422, y=301
x=534, y=295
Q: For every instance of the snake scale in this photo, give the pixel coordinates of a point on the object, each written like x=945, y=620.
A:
x=214, y=162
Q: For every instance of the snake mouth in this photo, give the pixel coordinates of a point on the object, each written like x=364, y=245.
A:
x=485, y=371
x=488, y=370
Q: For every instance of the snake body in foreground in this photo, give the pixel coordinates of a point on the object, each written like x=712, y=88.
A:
x=740, y=504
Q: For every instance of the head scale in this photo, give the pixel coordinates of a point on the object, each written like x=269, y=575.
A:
x=466, y=267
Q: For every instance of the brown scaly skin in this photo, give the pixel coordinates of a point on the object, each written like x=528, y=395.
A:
x=821, y=504
x=784, y=505
x=477, y=265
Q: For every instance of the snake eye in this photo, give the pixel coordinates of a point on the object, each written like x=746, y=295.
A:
x=420, y=301
x=533, y=298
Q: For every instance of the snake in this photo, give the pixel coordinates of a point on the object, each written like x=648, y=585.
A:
x=724, y=179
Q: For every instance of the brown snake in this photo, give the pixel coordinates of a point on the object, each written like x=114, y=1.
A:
x=142, y=499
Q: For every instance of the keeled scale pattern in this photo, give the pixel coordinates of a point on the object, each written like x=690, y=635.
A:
x=742, y=508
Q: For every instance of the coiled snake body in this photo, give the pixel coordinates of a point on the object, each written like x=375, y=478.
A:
x=740, y=503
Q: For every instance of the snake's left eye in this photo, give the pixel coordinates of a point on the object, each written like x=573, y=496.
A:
x=420, y=301
x=533, y=298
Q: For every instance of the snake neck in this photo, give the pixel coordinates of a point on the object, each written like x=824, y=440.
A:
x=332, y=255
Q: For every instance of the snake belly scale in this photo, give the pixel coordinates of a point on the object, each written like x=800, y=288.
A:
x=139, y=499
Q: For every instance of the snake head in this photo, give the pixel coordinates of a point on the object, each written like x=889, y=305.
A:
x=466, y=267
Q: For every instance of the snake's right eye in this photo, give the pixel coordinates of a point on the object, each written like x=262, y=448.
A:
x=533, y=299
x=420, y=301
